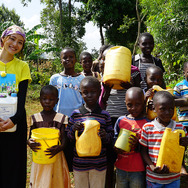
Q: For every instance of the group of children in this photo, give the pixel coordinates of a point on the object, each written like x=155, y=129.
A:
x=78, y=97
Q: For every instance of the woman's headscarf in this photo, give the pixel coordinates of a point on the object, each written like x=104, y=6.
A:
x=14, y=29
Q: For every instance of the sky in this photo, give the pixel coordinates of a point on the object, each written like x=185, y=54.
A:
x=30, y=15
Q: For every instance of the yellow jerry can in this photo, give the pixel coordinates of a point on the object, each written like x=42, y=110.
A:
x=171, y=153
x=122, y=141
x=117, y=66
x=89, y=144
x=151, y=114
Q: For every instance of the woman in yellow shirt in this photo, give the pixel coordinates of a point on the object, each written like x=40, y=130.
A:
x=14, y=78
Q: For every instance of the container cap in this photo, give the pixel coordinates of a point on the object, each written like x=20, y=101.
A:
x=13, y=94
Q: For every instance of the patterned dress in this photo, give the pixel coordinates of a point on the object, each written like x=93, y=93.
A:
x=55, y=174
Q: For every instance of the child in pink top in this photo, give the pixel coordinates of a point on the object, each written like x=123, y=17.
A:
x=129, y=165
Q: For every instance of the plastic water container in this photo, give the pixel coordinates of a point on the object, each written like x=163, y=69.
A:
x=89, y=144
x=151, y=114
x=8, y=107
x=117, y=66
x=47, y=137
x=171, y=153
x=122, y=141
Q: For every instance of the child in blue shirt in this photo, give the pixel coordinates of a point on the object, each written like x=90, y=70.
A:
x=181, y=91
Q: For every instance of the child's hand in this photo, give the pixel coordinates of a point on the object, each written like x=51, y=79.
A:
x=148, y=94
x=33, y=145
x=102, y=133
x=53, y=150
x=133, y=140
x=119, y=151
x=78, y=126
x=107, y=87
x=150, y=105
x=158, y=170
x=184, y=141
x=107, y=90
x=125, y=85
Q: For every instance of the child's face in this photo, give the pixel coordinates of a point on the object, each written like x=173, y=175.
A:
x=154, y=77
x=165, y=111
x=86, y=62
x=135, y=104
x=90, y=94
x=146, y=45
x=185, y=72
x=68, y=59
x=48, y=100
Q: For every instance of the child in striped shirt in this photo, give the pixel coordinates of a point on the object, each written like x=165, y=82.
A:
x=150, y=141
x=90, y=172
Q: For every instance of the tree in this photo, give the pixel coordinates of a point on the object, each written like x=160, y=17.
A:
x=8, y=17
x=167, y=21
x=62, y=25
x=108, y=15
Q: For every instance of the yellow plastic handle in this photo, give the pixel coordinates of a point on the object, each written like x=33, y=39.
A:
x=76, y=135
x=180, y=131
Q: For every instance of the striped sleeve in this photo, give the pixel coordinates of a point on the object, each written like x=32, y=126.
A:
x=144, y=136
x=177, y=90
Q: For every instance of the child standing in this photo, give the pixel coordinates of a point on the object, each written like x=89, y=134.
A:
x=143, y=61
x=13, y=158
x=87, y=62
x=90, y=172
x=150, y=141
x=130, y=169
x=68, y=84
x=55, y=174
x=181, y=91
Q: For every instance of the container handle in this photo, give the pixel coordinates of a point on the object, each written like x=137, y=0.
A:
x=180, y=131
x=76, y=135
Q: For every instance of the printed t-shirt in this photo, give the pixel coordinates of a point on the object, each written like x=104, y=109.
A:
x=17, y=67
x=131, y=161
x=68, y=93
x=151, y=137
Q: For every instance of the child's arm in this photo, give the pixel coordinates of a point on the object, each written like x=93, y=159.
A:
x=181, y=101
x=126, y=85
x=107, y=133
x=105, y=94
x=146, y=158
x=149, y=93
x=54, y=150
x=31, y=142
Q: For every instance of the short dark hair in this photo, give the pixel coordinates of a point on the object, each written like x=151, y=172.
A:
x=49, y=88
x=185, y=65
x=146, y=35
x=85, y=54
x=162, y=95
x=90, y=79
x=137, y=90
x=68, y=48
x=154, y=67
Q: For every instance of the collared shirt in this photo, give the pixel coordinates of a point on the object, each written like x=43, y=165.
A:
x=151, y=137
